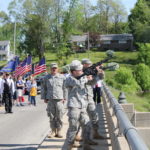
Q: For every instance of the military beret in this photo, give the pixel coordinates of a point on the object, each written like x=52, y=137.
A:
x=76, y=65
x=53, y=65
x=86, y=61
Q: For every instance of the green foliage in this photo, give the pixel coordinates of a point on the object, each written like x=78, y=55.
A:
x=4, y=18
x=125, y=81
x=139, y=21
x=144, y=53
x=141, y=101
x=35, y=34
x=63, y=51
x=142, y=76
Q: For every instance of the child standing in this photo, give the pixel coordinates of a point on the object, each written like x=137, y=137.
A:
x=33, y=92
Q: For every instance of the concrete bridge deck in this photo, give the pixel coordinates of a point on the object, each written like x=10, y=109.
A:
x=57, y=144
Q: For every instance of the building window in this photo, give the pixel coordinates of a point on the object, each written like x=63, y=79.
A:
x=122, y=42
x=2, y=48
x=106, y=42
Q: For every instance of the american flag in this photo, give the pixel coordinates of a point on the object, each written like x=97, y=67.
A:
x=24, y=66
x=40, y=68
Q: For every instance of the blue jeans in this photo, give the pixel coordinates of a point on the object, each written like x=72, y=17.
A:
x=32, y=98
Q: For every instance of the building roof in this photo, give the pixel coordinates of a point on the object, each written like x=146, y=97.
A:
x=4, y=42
x=79, y=38
x=110, y=37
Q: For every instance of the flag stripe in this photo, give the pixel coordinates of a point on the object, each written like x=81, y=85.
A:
x=40, y=68
x=24, y=67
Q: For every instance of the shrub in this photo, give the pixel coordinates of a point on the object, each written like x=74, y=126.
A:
x=144, y=53
x=142, y=76
x=125, y=80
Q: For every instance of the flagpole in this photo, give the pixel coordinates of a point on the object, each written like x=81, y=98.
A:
x=15, y=38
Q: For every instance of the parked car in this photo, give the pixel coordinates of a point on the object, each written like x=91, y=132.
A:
x=38, y=81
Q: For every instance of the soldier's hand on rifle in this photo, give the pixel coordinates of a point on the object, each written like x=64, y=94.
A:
x=90, y=77
x=99, y=70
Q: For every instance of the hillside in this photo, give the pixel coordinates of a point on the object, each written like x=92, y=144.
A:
x=125, y=59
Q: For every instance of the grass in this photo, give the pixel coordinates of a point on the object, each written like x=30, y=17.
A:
x=140, y=101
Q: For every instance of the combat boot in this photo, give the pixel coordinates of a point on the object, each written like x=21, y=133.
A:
x=87, y=147
x=78, y=138
x=96, y=135
x=52, y=133
x=58, y=134
x=77, y=145
x=91, y=142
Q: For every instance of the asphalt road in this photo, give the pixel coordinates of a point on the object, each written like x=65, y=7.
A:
x=25, y=129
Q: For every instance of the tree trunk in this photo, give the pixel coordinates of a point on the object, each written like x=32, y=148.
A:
x=41, y=50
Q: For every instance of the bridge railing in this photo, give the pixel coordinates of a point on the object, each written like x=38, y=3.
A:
x=134, y=141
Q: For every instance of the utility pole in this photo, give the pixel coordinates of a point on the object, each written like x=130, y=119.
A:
x=88, y=45
x=15, y=38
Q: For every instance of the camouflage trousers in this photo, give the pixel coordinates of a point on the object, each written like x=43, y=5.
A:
x=91, y=109
x=55, y=111
x=78, y=117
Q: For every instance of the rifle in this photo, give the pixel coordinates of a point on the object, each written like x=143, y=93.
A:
x=107, y=67
x=92, y=69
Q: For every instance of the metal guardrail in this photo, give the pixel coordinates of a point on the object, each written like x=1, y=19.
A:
x=129, y=131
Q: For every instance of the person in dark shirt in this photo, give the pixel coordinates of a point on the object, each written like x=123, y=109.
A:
x=8, y=90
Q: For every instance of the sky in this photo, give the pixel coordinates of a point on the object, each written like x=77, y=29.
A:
x=128, y=4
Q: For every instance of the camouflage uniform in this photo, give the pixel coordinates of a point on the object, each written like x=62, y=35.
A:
x=91, y=109
x=54, y=91
x=77, y=109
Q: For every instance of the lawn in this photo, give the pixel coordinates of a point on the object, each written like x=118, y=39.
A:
x=140, y=101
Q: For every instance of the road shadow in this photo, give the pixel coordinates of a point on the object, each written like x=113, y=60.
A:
x=18, y=146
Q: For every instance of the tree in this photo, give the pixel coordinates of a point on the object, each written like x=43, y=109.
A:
x=4, y=18
x=142, y=76
x=144, y=54
x=118, y=15
x=110, y=16
x=34, y=42
x=139, y=22
x=34, y=16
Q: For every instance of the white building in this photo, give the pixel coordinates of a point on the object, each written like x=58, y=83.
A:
x=5, y=53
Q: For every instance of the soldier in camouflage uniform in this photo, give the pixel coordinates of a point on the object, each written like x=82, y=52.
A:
x=91, y=109
x=77, y=106
x=53, y=93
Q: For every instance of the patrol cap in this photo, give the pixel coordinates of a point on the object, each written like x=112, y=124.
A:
x=53, y=65
x=76, y=65
x=86, y=61
x=65, y=69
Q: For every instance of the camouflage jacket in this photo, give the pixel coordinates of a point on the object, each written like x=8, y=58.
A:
x=53, y=87
x=76, y=92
